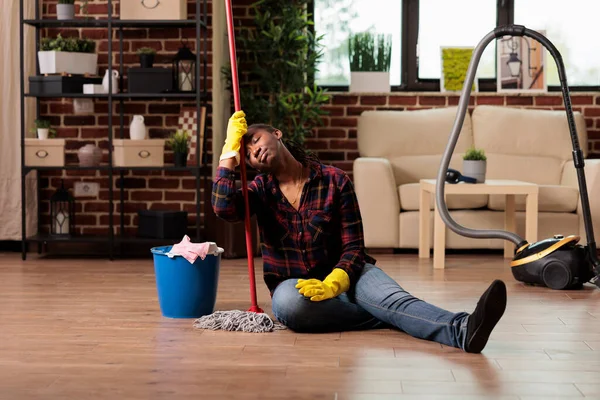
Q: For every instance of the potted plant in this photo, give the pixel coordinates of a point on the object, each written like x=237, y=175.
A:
x=146, y=55
x=65, y=9
x=370, y=58
x=474, y=164
x=178, y=142
x=67, y=55
x=44, y=129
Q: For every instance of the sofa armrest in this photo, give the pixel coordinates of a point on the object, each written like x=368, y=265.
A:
x=592, y=180
x=378, y=201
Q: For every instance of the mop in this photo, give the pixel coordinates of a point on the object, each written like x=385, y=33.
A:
x=253, y=320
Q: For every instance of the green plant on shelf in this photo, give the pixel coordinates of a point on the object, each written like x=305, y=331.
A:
x=70, y=44
x=44, y=124
x=145, y=50
x=178, y=141
x=84, y=8
x=369, y=52
x=473, y=154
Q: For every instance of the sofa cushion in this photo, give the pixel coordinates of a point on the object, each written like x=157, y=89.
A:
x=526, y=132
x=538, y=170
x=409, y=199
x=413, y=141
x=551, y=198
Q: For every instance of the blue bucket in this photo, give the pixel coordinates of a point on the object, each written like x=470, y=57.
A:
x=186, y=290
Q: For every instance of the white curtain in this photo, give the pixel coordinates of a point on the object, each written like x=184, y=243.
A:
x=10, y=121
x=221, y=109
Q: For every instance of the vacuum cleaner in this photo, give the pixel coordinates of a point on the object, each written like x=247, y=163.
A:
x=559, y=262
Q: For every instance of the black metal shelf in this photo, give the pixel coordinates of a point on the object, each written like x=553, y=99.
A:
x=116, y=23
x=203, y=96
x=200, y=97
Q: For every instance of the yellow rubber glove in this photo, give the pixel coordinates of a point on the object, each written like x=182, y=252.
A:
x=336, y=283
x=236, y=129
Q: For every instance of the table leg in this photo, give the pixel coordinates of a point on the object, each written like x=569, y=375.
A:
x=531, y=218
x=509, y=224
x=424, y=223
x=439, y=240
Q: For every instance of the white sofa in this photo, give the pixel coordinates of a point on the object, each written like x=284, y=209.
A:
x=398, y=148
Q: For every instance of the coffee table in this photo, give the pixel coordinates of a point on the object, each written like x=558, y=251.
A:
x=509, y=188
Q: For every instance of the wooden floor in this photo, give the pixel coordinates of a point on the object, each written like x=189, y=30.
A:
x=92, y=329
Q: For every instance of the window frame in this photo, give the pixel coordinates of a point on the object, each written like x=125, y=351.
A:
x=409, y=64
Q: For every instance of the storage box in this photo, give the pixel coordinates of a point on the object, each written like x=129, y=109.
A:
x=44, y=152
x=93, y=89
x=154, y=9
x=59, y=62
x=162, y=224
x=149, y=80
x=139, y=153
x=58, y=84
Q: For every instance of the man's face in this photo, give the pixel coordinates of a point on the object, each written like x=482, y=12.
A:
x=262, y=150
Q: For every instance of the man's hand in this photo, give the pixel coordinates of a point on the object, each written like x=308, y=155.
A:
x=336, y=283
x=236, y=129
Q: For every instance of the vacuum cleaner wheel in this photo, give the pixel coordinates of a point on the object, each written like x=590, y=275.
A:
x=557, y=275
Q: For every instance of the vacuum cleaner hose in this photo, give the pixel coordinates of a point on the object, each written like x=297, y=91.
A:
x=578, y=158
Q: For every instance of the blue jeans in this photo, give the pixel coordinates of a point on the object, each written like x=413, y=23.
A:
x=376, y=301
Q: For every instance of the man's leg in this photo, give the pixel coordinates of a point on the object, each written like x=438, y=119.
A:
x=301, y=314
x=381, y=296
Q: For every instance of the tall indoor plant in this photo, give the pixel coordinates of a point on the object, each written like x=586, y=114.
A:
x=278, y=56
x=370, y=57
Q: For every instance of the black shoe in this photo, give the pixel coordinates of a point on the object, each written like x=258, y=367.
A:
x=488, y=312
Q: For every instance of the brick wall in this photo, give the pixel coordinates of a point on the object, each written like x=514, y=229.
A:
x=335, y=142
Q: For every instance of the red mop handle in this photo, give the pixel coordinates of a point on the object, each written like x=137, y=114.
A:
x=238, y=107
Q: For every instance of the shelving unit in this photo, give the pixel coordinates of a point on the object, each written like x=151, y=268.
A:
x=200, y=95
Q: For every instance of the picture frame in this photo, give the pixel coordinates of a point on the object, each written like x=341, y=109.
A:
x=188, y=120
x=455, y=62
x=521, y=65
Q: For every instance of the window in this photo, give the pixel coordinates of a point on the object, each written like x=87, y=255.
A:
x=456, y=23
x=573, y=30
x=420, y=27
x=336, y=19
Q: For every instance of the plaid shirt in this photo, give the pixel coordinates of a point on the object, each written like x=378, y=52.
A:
x=326, y=232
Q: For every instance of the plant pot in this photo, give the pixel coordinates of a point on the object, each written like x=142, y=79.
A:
x=146, y=60
x=180, y=159
x=43, y=133
x=374, y=82
x=65, y=11
x=58, y=62
x=475, y=169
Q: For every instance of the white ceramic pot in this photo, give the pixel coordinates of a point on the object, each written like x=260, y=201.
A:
x=475, y=169
x=89, y=156
x=57, y=62
x=115, y=81
x=374, y=82
x=43, y=133
x=137, y=128
x=65, y=11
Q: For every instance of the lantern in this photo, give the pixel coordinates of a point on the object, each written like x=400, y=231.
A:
x=184, y=70
x=514, y=65
x=62, y=213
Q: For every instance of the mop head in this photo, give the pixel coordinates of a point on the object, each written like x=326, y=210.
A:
x=235, y=320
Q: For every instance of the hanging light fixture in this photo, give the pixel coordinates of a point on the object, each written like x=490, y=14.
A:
x=184, y=70
x=514, y=64
x=62, y=213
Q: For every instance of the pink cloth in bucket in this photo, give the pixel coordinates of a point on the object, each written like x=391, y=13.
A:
x=191, y=251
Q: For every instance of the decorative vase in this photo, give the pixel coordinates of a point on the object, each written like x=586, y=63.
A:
x=475, y=169
x=115, y=81
x=43, y=133
x=65, y=11
x=180, y=159
x=89, y=155
x=146, y=60
x=137, y=128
